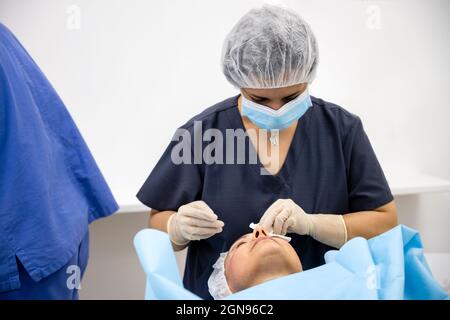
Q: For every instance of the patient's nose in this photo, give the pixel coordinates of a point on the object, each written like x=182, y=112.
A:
x=259, y=232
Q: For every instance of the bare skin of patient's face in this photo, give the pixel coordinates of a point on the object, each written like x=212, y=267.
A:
x=256, y=257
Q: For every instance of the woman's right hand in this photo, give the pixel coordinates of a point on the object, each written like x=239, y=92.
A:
x=193, y=221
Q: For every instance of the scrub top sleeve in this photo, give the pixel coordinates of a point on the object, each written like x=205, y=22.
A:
x=171, y=185
x=368, y=188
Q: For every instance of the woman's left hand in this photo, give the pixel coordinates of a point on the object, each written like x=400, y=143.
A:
x=285, y=216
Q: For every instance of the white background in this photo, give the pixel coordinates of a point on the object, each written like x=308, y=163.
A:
x=136, y=70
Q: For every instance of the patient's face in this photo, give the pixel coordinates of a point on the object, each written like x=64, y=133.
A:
x=256, y=257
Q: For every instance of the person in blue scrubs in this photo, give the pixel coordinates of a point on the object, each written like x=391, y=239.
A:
x=316, y=176
x=50, y=185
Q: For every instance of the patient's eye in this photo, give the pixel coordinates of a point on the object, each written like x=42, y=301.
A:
x=240, y=243
x=244, y=239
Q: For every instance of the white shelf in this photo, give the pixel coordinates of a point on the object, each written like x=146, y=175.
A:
x=416, y=183
x=401, y=184
x=132, y=208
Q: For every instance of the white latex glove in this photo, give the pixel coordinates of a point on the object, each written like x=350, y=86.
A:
x=193, y=221
x=285, y=216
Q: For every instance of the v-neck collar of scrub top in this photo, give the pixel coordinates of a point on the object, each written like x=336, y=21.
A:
x=293, y=154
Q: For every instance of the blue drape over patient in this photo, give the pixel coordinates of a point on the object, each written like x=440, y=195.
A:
x=50, y=185
x=389, y=266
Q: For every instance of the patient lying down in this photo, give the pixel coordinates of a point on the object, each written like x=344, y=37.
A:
x=252, y=259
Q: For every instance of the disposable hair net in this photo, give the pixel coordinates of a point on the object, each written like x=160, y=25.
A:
x=217, y=282
x=270, y=47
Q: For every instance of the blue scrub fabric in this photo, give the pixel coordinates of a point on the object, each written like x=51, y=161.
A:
x=50, y=185
x=391, y=266
x=60, y=285
x=331, y=167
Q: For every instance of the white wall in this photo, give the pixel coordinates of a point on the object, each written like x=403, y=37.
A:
x=135, y=70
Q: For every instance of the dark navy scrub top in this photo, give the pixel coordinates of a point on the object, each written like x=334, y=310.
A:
x=331, y=167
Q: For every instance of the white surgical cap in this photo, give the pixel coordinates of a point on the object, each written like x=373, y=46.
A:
x=217, y=282
x=270, y=47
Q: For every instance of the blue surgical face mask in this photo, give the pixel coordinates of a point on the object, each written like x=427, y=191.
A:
x=270, y=119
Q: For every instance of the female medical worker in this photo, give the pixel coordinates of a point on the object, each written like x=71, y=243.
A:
x=50, y=185
x=328, y=186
